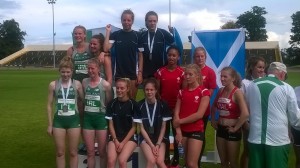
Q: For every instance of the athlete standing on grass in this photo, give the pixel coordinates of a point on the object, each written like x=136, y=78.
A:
x=170, y=78
x=233, y=112
x=120, y=112
x=255, y=69
x=66, y=122
x=128, y=50
x=190, y=107
x=208, y=81
x=97, y=95
x=152, y=116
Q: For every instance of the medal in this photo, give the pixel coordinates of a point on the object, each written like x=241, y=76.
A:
x=150, y=45
x=65, y=108
x=151, y=120
x=151, y=130
x=65, y=97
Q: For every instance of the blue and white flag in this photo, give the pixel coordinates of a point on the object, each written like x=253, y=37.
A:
x=223, y=48
x=178, y=43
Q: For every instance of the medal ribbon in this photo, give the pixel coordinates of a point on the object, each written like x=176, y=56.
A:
x=63, y=92
x=151, y=120
x=151, y=45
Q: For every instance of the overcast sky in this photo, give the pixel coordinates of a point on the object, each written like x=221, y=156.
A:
x=35, y=16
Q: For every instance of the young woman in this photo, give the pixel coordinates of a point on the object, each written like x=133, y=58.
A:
x=233, y=112
x=208, y=81
x=127, y=45
x=79, y=53
x=97, y=95
x=120, y=112
x=255, y=69
x=155, y=41
x=66, y=122
x=152, y=119
x=190, y=107
x=170, y=78
x=96, y=49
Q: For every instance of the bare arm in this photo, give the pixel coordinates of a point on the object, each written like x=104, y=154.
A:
x=162, y=133
x=112, y=129
x=108, y=69
x=107, y=46
x=140, y=66
x=49, y=107
x=240, y=100
x=108, y=94
x=79, y=90
x=200, y=112
x=70, y=52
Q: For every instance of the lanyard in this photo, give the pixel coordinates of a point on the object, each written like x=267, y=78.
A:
x=151, y=45
x=151, y=120
x=63, y=92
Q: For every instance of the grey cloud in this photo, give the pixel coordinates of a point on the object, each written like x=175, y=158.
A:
x=6, y=4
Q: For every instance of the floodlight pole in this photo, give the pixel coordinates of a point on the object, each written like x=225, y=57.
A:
x=52, y=2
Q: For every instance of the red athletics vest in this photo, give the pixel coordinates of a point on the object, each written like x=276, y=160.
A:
x=227, y=107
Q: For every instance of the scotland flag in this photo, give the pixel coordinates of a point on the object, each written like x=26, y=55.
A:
x=223, y=48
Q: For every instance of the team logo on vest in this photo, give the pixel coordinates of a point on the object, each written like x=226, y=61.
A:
x=178, y=80
x=204, y=78
x=196, y=99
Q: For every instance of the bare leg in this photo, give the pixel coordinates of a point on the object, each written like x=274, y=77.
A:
x=111, y=155
x=101, y=136
x=222, y=148
x=89, y=137
x=193, y=152
x=148, y=155
x=161, y=156
x=59, y=139
x=73, y=139
x=233, y=153
x=126, y=153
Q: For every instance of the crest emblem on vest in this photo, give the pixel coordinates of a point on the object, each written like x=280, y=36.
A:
x=178, y=80
x=196, y=99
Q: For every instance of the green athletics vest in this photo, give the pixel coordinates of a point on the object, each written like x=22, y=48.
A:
x=94, y=97
x=71, y=100
x=80, y=61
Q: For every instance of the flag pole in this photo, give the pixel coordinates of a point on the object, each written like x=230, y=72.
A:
x=170, y=13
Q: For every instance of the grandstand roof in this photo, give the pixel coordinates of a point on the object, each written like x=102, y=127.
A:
x=249, y=45
x=59, y=47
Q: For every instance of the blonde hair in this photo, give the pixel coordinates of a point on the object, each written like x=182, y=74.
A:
x=66, y=62
x=128, y=84
x=94, y=61
x=196, y=69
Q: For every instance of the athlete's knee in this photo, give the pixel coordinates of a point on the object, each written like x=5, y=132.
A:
x=90, y=153
x=191, y=164
x=60, y=153
x=73, y=153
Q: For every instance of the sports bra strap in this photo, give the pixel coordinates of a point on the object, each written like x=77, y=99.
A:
x=232, y=92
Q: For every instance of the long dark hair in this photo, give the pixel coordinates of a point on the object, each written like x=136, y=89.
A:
x=252, y=62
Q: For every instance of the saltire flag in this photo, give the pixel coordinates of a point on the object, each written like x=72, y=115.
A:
x=178, y=43
x=223, y=48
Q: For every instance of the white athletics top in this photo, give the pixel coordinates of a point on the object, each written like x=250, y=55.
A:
x=273, y=105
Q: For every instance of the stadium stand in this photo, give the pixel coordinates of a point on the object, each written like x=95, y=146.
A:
x=41, y=55
x=35, y=56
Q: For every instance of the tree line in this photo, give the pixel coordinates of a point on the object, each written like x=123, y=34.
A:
x=12, y=37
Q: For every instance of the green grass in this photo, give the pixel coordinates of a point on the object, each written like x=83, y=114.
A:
x=24, y=141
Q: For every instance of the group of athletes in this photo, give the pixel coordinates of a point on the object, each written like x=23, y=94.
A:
x=173, y=97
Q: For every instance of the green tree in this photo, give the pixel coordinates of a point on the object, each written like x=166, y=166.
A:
x=11, y=37
x=229, y=25
x=254, y=22
x=293, y=52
